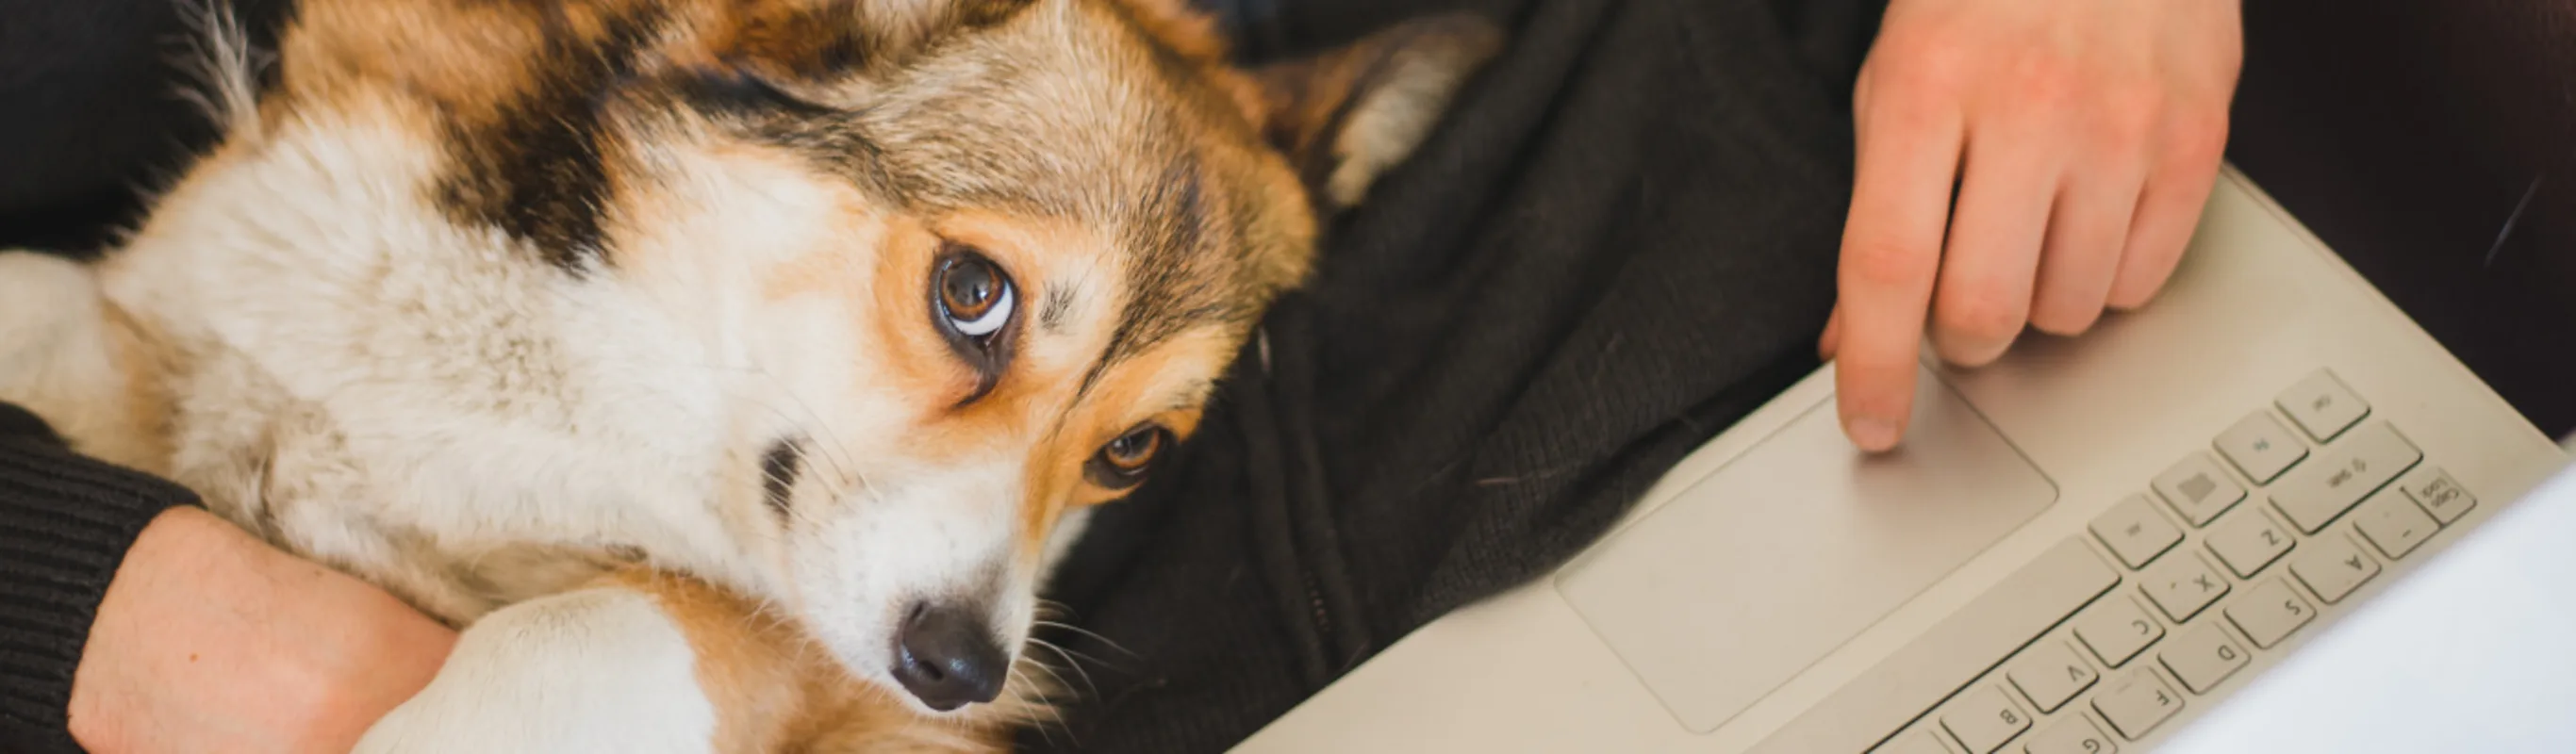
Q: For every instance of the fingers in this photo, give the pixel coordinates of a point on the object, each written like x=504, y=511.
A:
x=2086, y=236
x=1909, y=153
x=1985, y=290
x=2168, y=210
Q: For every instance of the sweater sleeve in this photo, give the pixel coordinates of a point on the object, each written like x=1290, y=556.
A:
x=65, y=524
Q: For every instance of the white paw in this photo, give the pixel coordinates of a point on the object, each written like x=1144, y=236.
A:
x=596, y=670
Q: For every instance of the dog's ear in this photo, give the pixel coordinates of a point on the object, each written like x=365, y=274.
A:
x=1347, y=115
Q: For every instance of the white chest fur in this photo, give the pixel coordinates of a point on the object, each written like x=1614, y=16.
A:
x=366, y=381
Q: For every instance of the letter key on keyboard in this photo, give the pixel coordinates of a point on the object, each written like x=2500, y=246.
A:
x=2269, y=612
x=2248, y=541
x=2072, y=735
x=2050, y=674
x=2316, y=493
x=2201, y=656
x=1984, y=719
x=2116, y=630
x=2182, y=587
x=2135, y=703
x=2332, y=567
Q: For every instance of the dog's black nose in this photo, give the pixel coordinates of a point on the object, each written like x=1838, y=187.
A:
x=947, y=658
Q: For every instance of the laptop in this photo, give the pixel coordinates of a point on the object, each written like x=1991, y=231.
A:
x=2082, y=548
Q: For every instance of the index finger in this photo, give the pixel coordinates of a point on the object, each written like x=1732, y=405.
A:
x=1908, y=159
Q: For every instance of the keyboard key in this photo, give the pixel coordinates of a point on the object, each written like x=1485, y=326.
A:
x=2269, y=612
x=2248, y=541
x=2198, y=490
x=2434, y=490
x=2049, y=674
x=2117, y=630
x=2392, y=523
x=1917, y=741
x=1984, y=720
x=2201, y=656
x=2318, y=492
x=2182, y=587
x=2322, y=405
x=2135, y=531
x=2261, y=447
x=2332, y=567
x=2135, y=703
x=2073, y=735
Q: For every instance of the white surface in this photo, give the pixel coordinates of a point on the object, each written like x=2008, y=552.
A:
x=2474, y=652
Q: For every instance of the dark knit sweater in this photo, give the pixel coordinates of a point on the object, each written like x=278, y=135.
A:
x=65, y=523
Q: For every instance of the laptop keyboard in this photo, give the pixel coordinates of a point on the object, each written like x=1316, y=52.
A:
x=2231, y=551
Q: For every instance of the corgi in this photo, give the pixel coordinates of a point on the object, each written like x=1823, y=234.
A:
x=730, y=371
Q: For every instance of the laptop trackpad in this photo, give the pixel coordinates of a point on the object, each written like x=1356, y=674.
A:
x=1794, y=547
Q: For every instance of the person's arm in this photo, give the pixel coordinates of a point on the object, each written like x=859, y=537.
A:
x=132, y=621
x=65, y=525
x=2082, y=139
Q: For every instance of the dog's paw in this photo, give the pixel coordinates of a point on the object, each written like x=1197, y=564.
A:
x=596, y=670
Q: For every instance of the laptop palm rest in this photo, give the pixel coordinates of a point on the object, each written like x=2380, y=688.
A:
x=1796, y=546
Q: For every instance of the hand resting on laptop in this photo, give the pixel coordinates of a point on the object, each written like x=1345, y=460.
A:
x=2082, y=139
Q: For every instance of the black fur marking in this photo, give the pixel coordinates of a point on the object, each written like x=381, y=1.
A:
x=1059, y=302
x=1171, y=284
x=742, y=93
x=778, y=471
x=538, y=171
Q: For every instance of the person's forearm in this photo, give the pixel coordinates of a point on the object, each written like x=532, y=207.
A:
x=280, y=654
x=132, y=621
x=66, y=523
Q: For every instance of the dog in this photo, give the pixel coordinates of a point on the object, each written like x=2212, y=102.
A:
x=730, y=370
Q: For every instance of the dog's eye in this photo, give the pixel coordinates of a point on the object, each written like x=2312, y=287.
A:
x=973, y=303
x=975, y=298
x=1122, y=463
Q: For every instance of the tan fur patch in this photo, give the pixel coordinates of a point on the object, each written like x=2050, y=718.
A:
x=775, y=690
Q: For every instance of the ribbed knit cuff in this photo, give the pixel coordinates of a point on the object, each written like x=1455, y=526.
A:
x=65, y=524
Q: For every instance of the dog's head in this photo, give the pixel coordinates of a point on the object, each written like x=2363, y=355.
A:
x=958, y=267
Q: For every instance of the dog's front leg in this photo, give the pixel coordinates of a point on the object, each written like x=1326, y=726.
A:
x=602, y=669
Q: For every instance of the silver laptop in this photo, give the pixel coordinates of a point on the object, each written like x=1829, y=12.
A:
x=2079, y=550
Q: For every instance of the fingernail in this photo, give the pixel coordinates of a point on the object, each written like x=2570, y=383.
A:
x=1873, y=434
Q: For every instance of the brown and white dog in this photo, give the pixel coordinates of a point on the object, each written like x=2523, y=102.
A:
x=731, y=369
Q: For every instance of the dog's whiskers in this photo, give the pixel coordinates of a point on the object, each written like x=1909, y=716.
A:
x=1094, y=636
x=1069, y=664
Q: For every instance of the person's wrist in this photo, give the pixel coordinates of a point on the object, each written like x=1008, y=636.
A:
x=204, y=620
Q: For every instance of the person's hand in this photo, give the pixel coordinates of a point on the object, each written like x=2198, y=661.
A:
x=2083, y=138
x=211, y=641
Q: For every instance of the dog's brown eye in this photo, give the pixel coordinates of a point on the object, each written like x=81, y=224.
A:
x=975, y=298
x=1123, y=462
x=974, y=304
